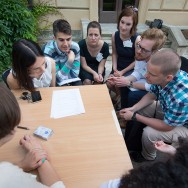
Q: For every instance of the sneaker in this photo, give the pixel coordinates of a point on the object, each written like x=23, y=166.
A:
x=137, y=157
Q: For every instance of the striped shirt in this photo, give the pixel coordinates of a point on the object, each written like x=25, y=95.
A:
x=64, y=69
x=174, y=100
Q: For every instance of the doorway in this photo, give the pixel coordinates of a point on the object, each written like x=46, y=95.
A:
x=110, y=9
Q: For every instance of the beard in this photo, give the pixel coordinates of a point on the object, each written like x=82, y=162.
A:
x=139, y=57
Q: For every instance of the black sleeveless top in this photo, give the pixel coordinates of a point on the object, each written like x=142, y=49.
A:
x=126, y=55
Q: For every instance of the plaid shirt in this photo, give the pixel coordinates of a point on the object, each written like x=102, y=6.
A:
x=64, y=69
x=174, y=100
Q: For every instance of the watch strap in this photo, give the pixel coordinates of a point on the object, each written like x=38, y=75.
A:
x=134, y=116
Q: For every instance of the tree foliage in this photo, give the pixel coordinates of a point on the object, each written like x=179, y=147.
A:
x=18, y=21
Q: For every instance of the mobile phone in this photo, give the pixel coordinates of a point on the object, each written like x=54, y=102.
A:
x=35, y=96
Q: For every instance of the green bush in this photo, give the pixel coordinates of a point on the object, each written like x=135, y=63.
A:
x=40, y=12
x=17, y=21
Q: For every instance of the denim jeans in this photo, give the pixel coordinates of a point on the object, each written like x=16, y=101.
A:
x=129, y=98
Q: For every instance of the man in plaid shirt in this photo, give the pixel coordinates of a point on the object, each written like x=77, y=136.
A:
x=166, y=119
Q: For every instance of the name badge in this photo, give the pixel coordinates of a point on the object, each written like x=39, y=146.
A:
x=127, y=43
x=99, y=57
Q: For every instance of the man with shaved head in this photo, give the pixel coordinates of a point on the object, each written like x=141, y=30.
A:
x=164, y=110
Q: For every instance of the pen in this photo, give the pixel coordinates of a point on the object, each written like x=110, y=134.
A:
x=20, y=127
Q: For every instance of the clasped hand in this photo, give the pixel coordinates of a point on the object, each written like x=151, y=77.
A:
x=35, y=154
x=120, y=81
x=126, y=113
x=97, y=77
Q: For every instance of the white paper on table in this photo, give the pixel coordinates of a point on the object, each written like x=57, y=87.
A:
x=69, y=81
x=66, y=103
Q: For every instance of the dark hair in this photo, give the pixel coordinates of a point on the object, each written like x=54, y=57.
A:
x=24, y=53
x=94, y=24
x=129, y=11
x=158, y=175
x=181, y=156
x=9, y=110
x=173, y=173
x=62, y=26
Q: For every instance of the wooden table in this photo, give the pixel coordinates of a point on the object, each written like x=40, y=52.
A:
x=86, y=149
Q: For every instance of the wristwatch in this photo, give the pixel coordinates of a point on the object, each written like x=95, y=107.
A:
x=134, y=117
x=131, y=84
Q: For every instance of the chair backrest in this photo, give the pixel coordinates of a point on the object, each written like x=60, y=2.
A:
x=5, y=75
x=184, y=64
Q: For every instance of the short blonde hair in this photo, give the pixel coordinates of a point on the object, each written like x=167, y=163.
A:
x=168, y=61
x=156, y=35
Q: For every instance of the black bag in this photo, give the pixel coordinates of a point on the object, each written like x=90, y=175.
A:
x=157, y=23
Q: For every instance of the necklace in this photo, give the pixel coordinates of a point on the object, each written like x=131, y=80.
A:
x=124, y=38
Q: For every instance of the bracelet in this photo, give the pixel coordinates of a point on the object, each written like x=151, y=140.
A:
x=99, y=73
x=43, y=160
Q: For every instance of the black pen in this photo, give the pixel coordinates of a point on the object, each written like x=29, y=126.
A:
x=20, y=127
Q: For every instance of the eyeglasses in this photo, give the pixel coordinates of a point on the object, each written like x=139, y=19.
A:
x=143, y=50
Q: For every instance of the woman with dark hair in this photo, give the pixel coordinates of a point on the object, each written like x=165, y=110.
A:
x=14, y=175
x=123, y=46
x=30, y=69
x=94, y=52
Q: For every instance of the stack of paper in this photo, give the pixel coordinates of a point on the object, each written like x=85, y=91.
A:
x=66, y=103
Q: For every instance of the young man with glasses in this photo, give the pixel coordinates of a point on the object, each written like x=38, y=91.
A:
x=134, y=86
x=170, y=87
x=66, y=54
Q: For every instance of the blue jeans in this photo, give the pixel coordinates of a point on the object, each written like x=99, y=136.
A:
x=130, y=98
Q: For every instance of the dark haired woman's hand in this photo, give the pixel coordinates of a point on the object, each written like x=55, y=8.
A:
x=32, y=160
x=117, y=73
x=30, y=143
x=96, y=77
x=100, y=78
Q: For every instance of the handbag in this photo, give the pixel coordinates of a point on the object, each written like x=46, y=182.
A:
x=157, y=23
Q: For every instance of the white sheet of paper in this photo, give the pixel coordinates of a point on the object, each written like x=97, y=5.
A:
x=66, y=103
x=69, y=81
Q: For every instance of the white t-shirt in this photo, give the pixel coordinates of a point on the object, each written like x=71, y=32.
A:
x=45, y=79
x=111, y=184
x=11, y=176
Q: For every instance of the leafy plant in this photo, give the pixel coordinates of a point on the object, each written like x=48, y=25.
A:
x=17, y=21
x=40, y=12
